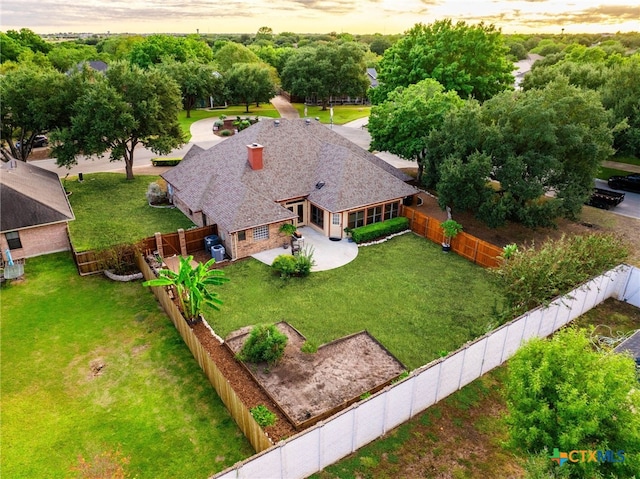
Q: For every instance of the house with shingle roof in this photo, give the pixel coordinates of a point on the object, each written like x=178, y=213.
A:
x=35, y=211
x=284, y=171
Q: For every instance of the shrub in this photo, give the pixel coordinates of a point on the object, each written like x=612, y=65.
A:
x=120, y=258
x=155, y=194
x=304, y=261
x=309, y=347
x=535, y=276
x=379, y=230
x=226, y=132
x=265, y=344
x=218, y=123
x=165, y=161
x=262, y=415
x=285, y=264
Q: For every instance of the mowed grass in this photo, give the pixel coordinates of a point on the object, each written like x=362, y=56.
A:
x=341, y=113
x=416, y=300
x=265, y=109
x=110, y=210
x=149, y=400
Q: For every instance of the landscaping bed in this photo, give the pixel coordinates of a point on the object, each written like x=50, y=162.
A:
x=312, y=386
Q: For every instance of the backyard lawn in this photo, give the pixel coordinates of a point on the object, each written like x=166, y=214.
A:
x=341, y=113
x=416, y=300
x=110, y=210
x=90, y=366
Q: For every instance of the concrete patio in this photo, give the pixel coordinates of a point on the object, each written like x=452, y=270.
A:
x=327, y=254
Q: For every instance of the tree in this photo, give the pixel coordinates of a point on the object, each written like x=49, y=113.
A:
x=471, y=60
x=264, y=33
x=34, y=101
x=191, y=284
x=196, y=80
x=563, y=394
x=545, y=147
x=325, y=71
x=250, y=82
x=155, y=49
x=379, y=44
x=232, y=53
x=117, y=112
x=401, y=124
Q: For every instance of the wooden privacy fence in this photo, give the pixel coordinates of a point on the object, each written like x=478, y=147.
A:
x=236, y=407
x=468, y=246
x=179, y=243
x=327, y=442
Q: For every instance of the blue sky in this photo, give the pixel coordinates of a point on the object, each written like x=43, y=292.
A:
x=314, y=16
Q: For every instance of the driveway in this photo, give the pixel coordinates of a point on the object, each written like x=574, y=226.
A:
x=629, y=207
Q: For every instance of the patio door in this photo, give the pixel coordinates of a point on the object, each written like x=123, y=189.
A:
x=299, y=208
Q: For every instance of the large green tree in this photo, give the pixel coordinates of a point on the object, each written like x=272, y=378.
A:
x=325, y=71
x=469, y=59
x=196, y=80
x=125, y=108
x=401, y=124
x=232, y=53
x=563, y=394
x=545, y=148
x=250, y=83
x=34, y=101
x=155, y=49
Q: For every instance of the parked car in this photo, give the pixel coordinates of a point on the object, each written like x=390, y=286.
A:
x=605, y=199
x=627, y=183
x=38, y=142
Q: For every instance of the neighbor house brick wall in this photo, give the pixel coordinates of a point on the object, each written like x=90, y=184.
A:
x=39, y=240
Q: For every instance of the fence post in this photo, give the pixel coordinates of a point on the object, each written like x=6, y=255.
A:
x=183, y=242
x=158, y=237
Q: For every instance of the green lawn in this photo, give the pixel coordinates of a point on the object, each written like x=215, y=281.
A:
x=341, y=113
x=265, y=109
x=415, y=299
x=150, y=400
x=110, y=210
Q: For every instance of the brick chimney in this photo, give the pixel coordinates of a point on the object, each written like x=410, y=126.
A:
x=255, y=156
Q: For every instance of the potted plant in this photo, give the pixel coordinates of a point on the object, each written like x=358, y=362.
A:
x=450, y=228
x=348, y=231
x=288, y=229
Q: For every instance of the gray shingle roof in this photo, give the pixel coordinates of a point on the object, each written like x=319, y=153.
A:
x=631, y=344
x=296, y=156
x=31, y=196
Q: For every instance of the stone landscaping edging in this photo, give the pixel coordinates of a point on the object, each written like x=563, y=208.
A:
x=386, y=238
x=122, y=278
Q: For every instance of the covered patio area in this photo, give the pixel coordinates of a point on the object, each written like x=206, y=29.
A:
x=327, y=254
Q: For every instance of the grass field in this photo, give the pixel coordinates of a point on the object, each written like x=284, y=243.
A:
x=91, y=366
x=341, y=113
x=265, y=109
x=110, y=210
x=415, y=299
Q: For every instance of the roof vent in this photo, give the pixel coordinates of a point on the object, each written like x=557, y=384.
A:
x=319, y=185
x=277, y=122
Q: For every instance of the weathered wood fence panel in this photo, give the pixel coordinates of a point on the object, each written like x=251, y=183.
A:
x=237, y=409
x=468, y=246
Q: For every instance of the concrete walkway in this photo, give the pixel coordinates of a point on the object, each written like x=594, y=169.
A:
x=326, y=253
x=285, y=108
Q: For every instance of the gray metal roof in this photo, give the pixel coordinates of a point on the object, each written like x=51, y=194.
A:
x=31, y=196
x=297, y=155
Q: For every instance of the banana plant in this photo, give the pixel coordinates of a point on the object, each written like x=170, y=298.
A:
x=190, y=283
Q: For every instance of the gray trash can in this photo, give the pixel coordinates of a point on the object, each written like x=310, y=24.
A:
x=210, y=241
x=217, y=252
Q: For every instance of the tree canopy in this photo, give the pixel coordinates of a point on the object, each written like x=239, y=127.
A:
x=563, y=394
x=543, y=148
x=250, y=83
x=401, y=124
x=126, y=107
x=469, y=59
x=155, y=49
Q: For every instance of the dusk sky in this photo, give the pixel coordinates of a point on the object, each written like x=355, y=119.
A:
x=314, y=16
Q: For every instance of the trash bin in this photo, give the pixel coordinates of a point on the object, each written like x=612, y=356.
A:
x=217, y=252
x=210, y=241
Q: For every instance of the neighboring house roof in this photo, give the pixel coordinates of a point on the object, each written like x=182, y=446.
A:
x=372, y=74
x=297, y=156
x=31, y=196
x=631, y=345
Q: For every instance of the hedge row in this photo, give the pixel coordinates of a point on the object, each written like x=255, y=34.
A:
x=165, y=161
x=379, y=230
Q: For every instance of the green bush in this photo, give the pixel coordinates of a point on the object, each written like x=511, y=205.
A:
x=309, y=347
x=265, y=344
x=262, y=415
x=285, y=264
x=226, y=133
x=304, y=261
x=165, y=161
x=379, y=230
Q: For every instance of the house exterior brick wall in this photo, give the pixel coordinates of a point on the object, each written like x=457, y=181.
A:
x=38, y=241
x=249, y=246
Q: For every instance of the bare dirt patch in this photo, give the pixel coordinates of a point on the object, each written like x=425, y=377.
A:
x=311, y=386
